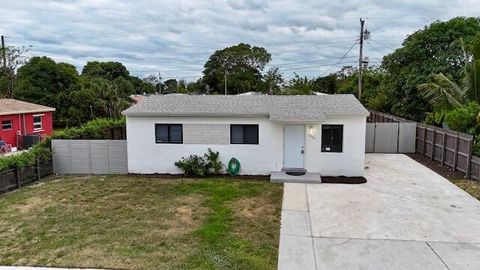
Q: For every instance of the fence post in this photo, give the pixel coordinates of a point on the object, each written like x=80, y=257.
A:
x=444, y=143
x=424, y=140
x=469, y=158
x=455, y=153
x=433, y=143
x=17, y=177
x=37, y=169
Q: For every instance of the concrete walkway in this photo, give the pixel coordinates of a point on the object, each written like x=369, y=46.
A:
x=405, y=217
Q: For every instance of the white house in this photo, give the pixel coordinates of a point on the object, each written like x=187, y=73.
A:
x=324, y=134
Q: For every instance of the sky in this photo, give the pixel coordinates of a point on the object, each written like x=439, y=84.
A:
x=176, y=37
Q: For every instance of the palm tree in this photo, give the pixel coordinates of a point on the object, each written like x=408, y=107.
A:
x=443, y=92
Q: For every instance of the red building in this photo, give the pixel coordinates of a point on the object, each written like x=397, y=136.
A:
x=19, y=118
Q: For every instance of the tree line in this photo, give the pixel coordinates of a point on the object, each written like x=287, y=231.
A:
x=431, y=78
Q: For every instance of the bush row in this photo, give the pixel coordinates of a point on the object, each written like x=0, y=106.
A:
x=94, y=129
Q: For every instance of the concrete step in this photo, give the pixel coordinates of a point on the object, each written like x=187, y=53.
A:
x=294, y=170
x=282, y=177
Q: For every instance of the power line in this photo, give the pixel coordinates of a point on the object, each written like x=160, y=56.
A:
x=375, y=48
x=324, y=65
x=303, y=62
x=383, y=45
x=341, y=59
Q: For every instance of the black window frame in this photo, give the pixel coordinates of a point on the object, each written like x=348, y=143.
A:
x=244, y=133
x=169, y=140
x=330, y=142
x=3, y=124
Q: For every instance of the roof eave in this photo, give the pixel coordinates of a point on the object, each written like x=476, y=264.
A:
x=156, y=114
x=28, y=111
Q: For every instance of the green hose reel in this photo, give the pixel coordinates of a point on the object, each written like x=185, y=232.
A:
x=233, y=166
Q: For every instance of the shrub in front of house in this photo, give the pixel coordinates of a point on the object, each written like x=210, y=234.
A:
x=200, y=166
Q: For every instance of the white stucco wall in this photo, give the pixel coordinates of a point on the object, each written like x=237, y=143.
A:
x=350, y=162
x=146, y=157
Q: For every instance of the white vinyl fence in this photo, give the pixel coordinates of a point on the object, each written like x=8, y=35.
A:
x=89, y=156
x=386, y=137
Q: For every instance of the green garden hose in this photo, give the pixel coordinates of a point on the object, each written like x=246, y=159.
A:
x=233, y=166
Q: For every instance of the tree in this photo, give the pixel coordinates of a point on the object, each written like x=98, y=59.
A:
x=442, y=92
x=433, y=49
x=171, y=86
x=15, y=57
x=273, y=79
x=299, y=86
x=327, y=84
x=155, y=81
x=107, y=70
x=242, y=64
x=41, y=80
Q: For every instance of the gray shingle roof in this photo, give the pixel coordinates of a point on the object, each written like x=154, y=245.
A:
x=277, y=108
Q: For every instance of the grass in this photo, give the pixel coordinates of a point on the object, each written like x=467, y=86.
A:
x=472, y=187
x=142, y=223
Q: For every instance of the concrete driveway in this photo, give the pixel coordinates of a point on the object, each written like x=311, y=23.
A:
x=405, y=217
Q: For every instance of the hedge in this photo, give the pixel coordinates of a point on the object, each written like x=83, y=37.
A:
x=92, y=130
x=39, y=150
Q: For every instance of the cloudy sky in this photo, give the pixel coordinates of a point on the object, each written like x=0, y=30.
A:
x=176, y=37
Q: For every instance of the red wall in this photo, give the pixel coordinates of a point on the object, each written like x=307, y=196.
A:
x=25, y=127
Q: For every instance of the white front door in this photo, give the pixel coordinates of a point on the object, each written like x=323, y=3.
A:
x=293, y=146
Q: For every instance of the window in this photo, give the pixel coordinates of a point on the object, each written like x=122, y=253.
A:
x=244, y=134
x=7, y=124
x=37, y=122
x=168, y=133
x=332, y=138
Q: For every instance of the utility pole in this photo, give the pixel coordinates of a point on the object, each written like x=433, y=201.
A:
x=4, y=55
x=360, y=58
x=225, y=79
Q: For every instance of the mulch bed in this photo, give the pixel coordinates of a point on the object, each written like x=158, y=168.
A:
x=343, y=180
x=435, y=166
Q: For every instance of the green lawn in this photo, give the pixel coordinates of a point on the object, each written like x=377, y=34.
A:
x=142, y=223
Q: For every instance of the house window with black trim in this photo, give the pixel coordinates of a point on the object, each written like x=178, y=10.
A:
x=37, y=122
x=168, y=133
x=332, y=138
x=244, y=134
x=7, y=124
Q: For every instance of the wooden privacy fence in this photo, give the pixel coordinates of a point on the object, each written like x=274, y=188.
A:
x=15, y=178
x=89, y=156
x=449, y=148
x=390, y=137
x=389, y=134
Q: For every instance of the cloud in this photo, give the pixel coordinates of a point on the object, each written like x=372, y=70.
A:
x=176, y=37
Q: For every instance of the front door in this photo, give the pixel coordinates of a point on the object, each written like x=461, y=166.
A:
x=293, y=146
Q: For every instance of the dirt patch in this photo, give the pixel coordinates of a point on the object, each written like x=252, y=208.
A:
x=33, y=204
x=187, y=216
x=253, y=207
x=343, y=180
x=435, y=166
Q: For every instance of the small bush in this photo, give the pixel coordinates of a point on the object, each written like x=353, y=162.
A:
x=214, y=164
x=195, y=165
x=94, y=129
